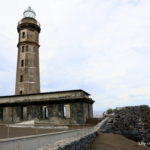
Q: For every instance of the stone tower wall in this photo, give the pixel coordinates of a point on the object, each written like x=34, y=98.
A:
x=27, y=76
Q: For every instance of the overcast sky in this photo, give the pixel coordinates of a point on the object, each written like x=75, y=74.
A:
x=100, y=46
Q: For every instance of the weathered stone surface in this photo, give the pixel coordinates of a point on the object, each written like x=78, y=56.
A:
x=83, y=143
x=133, y=122
x=48, y=108
x=28, y=77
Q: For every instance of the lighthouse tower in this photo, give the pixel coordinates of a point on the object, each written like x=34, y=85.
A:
x=27, y=75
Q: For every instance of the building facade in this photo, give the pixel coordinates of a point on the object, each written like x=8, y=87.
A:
x=61, y=108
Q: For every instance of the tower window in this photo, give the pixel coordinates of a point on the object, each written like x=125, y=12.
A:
x=26, y=47
x=23, y=35
x=22, y=48
x=21, y=78
x=20, y=92
x=22, y=63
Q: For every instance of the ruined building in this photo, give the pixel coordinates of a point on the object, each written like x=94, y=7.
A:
x=62, y=107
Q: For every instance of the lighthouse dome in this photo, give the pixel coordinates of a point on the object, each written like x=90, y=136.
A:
x=29, y=13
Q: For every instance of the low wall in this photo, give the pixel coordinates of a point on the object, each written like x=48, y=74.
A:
x=132, y=122
x=81, y=143
x=51, y=139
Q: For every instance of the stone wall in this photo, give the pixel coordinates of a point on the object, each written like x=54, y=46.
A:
x=83, y=143
x=132, y=122
x=50, y=113
x=72, y=107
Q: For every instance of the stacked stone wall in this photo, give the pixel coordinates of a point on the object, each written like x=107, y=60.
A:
x=132, y=122
x=82, y=143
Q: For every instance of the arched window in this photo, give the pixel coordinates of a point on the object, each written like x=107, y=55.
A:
x=21, y=92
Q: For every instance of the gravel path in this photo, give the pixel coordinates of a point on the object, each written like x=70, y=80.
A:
x=107, y=141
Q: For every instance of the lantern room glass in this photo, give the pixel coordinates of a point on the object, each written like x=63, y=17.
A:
x=29, y=13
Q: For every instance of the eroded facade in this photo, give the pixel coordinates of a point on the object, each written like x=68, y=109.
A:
x=61, y=108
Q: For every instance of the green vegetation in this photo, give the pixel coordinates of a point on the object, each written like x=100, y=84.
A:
x=109, y=111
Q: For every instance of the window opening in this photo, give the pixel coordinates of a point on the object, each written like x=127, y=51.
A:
x=67, y=110
x=22, y=63
x=23, y=34
x=45, y=112
x=22, y=48
x=1, y=114
x=21, y=113
x=21, y=78
x=24, y=113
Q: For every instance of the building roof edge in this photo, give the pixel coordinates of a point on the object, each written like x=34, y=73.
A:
x=77, y=90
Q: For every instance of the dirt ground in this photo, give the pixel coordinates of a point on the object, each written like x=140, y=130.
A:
x=107, y=141
x=10, y=132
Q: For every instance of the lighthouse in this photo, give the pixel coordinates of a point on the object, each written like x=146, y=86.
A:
x=27, y=74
